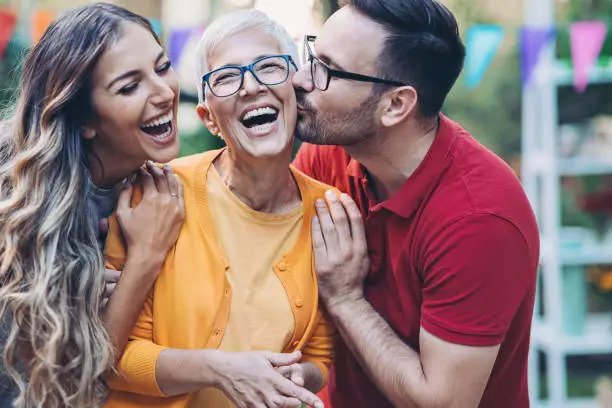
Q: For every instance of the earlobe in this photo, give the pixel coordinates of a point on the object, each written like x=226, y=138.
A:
x=402, y=104
x=88, y=132
x=206, y=118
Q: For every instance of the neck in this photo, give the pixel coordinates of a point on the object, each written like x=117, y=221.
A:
x=264, y=184
x=390, y=157
x=105, y=176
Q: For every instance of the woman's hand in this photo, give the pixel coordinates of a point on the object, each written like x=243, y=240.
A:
x=151, y=228
x=111, y=277
x=250, y=379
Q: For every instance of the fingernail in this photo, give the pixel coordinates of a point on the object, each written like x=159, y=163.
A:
x=344, y=196
x=320, y=202
x=330, y=195
x=319, y=405
x=168, y=168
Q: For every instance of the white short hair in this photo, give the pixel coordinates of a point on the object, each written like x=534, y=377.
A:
x=231, y=24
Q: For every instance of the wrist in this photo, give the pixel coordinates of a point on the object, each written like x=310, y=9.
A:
x=340, y=299
x=211, y=364
x=144, y=261
x=341, y=305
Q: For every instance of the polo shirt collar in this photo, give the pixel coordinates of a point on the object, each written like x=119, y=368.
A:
x=412, y=192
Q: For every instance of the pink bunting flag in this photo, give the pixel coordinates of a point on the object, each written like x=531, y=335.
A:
x=8, y=22
x=587, y=38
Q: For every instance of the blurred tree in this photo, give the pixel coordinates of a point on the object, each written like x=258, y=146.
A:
x=492, y=111
x=10, y=73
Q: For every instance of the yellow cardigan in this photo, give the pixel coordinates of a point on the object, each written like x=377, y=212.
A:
x=190, y=303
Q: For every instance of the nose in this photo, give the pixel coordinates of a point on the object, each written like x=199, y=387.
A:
x=163, y=95
x=303, y=80
x=250, y=85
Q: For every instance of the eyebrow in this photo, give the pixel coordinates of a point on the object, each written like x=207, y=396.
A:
x=133, y=72
x=239, y=65
x=330, y=62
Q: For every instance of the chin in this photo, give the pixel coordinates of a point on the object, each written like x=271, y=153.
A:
x=167, y=155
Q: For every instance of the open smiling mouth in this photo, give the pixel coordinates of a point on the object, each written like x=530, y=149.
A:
x=159, y=128
x=260, y=118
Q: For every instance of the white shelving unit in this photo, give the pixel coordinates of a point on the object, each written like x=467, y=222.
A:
x=562, y=265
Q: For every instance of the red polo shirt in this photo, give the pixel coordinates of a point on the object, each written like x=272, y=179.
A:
x=454, y=251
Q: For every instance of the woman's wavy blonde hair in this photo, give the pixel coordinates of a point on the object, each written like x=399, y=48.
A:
x=51, y=267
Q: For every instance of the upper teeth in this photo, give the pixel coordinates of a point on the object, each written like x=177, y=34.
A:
x=161, y=120
x=259, y=111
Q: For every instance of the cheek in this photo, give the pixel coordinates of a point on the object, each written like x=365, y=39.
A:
x=287, y=96
x=124, y=114
x=222, y=114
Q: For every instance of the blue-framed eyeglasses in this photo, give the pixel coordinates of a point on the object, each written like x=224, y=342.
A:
x=269, y=70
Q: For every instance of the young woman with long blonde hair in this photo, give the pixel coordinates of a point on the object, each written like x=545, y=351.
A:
x=98, y=98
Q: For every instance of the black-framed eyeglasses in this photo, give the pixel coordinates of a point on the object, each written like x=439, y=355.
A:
x=322, y=73
x=269, y=70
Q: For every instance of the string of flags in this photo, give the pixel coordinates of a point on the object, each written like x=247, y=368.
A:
x=484, y=41
x=482, y=44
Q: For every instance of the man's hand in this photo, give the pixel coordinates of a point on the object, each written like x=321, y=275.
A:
x=305, y=374
x=340, y=249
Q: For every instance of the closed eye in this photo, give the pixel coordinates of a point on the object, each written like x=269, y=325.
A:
x=128, y=89
x=164, y=67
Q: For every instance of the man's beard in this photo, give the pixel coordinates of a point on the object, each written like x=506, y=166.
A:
x=344, y=129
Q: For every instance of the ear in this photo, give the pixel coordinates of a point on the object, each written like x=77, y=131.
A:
x=207, y=119
x=88, y=132
x=399, y=104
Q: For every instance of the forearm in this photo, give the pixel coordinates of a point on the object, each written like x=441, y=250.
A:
x=393, y=366
x=184, y=371
x=128, y=298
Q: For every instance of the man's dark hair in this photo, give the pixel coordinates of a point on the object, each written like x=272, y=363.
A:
x=423, y=47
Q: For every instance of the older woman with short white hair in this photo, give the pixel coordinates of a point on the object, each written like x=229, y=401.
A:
x=234, y=317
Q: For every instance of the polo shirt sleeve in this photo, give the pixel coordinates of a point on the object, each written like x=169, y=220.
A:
x=476, y=274
x=307, y=161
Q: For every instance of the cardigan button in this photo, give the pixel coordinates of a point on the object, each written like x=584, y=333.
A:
x=299, y=303
x=282, y=267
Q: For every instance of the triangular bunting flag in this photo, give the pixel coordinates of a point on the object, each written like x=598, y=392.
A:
x=157, y=26
x=482, y=43
x=40, y=21
x=533, y=40
x=8, y=22
x=587, y=38
x=177, y=41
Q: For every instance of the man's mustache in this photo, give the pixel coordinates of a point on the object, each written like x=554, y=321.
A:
x=302, y=102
